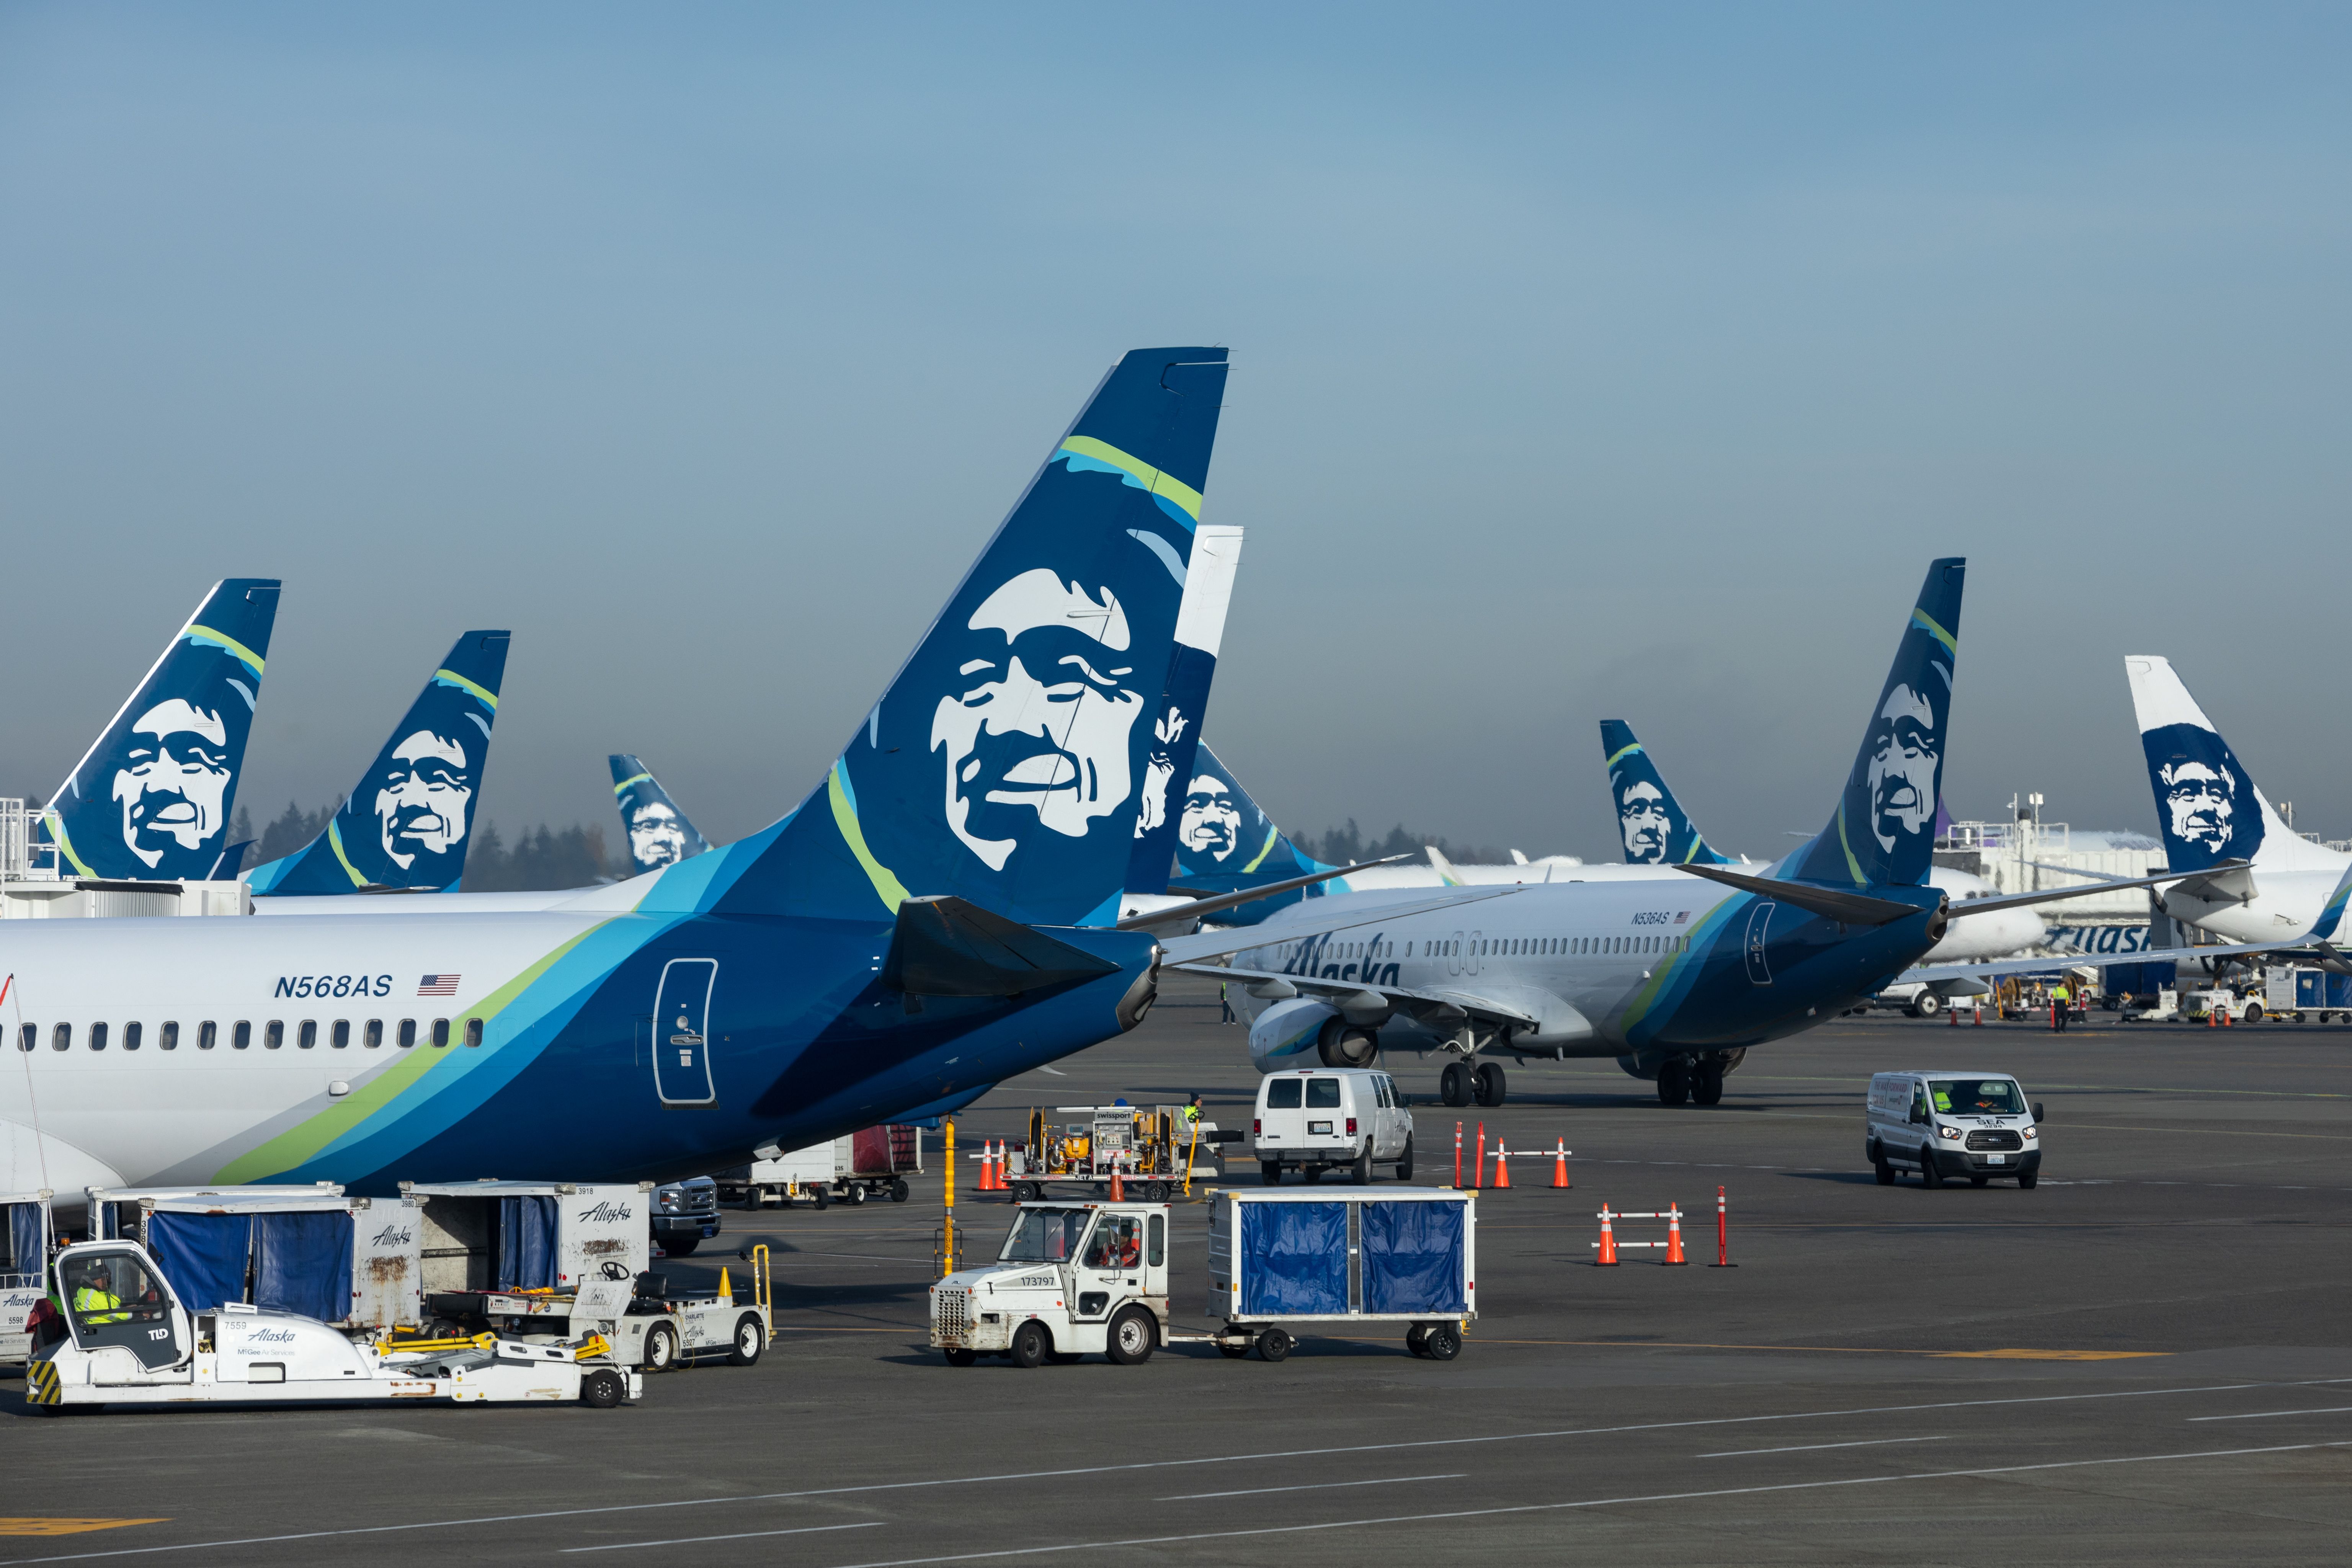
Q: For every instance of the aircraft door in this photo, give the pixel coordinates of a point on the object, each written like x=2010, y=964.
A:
x=1470, y=953
x=681, y=1032
x=1759, y=923
x=1453, y=954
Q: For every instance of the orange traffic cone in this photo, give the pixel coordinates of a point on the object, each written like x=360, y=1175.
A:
x=2227, y=1020
x=1675, y=1234
x=2211, y=1021
x=1502, y=1171
x=1559, y=1164
x=1118, y=1187
x=1608, y=1259
x=1953, y=1016
x=987, y=1167
x=1978, y=1011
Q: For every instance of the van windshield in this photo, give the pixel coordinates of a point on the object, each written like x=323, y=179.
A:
x=1322, y=1094
x=1044, y=1235
x=1977, y=1097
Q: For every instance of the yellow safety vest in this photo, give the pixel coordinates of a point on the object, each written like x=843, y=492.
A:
x=93, y=1305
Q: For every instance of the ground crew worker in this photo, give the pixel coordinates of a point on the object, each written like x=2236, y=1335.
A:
x=1224, y=1002
x=1192, y=1110
x=2062, y=1003
x=95, y=1300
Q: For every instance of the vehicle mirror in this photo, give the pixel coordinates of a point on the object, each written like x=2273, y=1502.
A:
x=2037, y=1110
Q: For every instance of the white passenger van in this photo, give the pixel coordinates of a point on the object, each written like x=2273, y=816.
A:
x=1316, y=1119
x=1972, y=1124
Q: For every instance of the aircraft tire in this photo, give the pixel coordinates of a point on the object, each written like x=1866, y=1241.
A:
x=1492, y=1086
x=1673, y=1082
x=1707, y=1083
x=1452, y=1086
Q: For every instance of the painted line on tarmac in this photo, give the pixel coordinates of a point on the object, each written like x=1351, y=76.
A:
x=2267, y=1415
x=1312, y=1487
x=743, y=1535
x=1181, y=1464
x=1581, y=1503
x=1818, y=1448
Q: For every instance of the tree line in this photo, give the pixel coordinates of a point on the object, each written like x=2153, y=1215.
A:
x=1348, y=846
x=540, y=857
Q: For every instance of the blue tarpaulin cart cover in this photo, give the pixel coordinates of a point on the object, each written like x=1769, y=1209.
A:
x=302, y=1263
x=1295, y=1258
x=526, y=1242
x=201, y=1254
x=1413, y=1257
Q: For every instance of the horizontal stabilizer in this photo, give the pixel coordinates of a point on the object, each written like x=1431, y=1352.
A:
x=1853, y=908
x=1346, y=914
x=2225, y=876
x=947, y=947
x=1210, y=905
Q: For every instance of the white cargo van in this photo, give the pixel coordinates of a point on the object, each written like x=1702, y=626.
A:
x=1948, y=1123
x=1312, y=1119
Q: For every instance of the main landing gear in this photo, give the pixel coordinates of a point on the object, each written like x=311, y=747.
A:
x=1460, y=1083
x=1698, y=1080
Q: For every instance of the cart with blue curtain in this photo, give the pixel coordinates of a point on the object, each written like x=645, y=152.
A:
x=313, y=1251
x=1281, y=1259
x=27, y=1236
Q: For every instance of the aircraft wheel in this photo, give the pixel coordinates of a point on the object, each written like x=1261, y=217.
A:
x=1673, y=1082
x=1453, y=1084
x=1707, y=1083
x=1491, y=1084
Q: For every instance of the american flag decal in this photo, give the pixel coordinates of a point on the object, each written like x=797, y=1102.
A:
x=438, y=986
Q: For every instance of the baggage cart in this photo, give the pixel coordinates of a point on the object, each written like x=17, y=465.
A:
x=311, y=1250
x=27, y=1235
x=873, y=1162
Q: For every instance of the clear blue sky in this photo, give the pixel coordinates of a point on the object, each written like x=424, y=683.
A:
x=1589, y=361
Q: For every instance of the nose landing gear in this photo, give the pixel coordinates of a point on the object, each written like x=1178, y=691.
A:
x=1463, y=1082
x=1698, y=1080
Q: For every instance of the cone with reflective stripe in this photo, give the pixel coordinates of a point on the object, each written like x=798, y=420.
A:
x=1675, y=1234
x=1502, y=1171
x=1118, y=1187
x=1559, y=1164
x=1608, y=1259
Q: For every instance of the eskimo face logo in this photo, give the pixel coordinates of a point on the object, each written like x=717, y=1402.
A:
x=1905, y=758
x=656, y=838
x=1159, y=771
x=1040, y=729
x=174, y=780
x=1642, y=819
x=1212, y=824
x=2201, y=802
x=421, y=802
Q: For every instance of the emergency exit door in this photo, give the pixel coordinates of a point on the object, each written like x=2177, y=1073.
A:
x=1760, y=930
x=681, y=1032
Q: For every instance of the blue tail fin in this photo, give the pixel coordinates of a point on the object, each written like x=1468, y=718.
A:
x=1006, y=761
x=1225, y=842
x=1883, y=831
x=2207, y=806
x=657, y=831
x=152, y=797
x=1176, y=722
x=408, y=822
x=1651, y=824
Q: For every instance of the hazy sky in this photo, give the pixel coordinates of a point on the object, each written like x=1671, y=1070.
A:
x=1600, y=361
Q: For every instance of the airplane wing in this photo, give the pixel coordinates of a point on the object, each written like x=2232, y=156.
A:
x=1433, y=1007
x=1181, y=951
x=2087, y=961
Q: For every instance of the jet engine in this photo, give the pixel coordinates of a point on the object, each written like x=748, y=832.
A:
x=1300, y=1032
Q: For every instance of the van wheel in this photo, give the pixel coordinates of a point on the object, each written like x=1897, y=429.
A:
x=1453, y=1085
x=1442, y=1342
x=1928, y=1174
x=2026, y=1181
x=750, y=1339
x=1360, y=1173
x=1031, y=1344
x=661, y=1348
x=1269, y=1172
x=1404, y=1165
x=1884, y=1172
x=682, y=1246
x=1132, y=1336
x=1274, y=1344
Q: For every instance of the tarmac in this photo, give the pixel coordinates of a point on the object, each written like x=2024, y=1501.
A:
x=2144, y=1359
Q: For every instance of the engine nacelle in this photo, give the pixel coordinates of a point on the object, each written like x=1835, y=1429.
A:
x=1289, y=1034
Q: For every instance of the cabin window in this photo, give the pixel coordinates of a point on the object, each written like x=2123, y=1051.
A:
x=131, y=1033
x=61, y=1038
x=28, y=1035
x=374, y=1036
x=407, y=1033
x=167, y=1035
x=341, y=1038
x=440, y=1031
x=273, y=1035
x=98, y=1036
x=473, y=1031
x=241, y=1037
x=207, y=1033
x=307, y=1039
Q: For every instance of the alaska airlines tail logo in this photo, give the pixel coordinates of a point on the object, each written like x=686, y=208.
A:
x=1211, y=826
x=2205, y=803
x=659, y=834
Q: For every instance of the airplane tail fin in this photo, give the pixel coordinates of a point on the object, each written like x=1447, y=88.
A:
x=1005, y=764
x=409, y=821
x=1176, y=722
x=1653, y=825
x=657, y=831
x=1225, y=842
x=1884, y=830
x=2207, y=805
x=152, y=797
